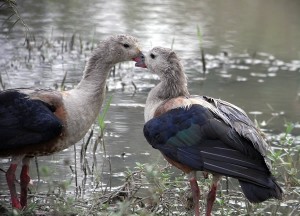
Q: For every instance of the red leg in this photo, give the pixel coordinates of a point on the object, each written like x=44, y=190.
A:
x=10, y=178
x=211, y=197
x=195, y=192
x=24, y=181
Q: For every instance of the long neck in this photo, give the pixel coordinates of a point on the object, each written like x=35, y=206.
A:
x=169, y=87
x=96, y=72
x=83, y=103
x=91, y=89
x=173, y=80
x=172, y=87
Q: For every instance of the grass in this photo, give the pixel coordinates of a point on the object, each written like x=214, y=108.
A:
x=150, y=189
x=14, y=16
x=200, y=39
x=286, y=158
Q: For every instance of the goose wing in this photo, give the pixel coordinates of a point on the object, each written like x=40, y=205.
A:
x=203, y=138
x=25, y=120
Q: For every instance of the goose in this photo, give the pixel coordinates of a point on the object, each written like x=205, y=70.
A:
x=36, y=122
x=202, y=133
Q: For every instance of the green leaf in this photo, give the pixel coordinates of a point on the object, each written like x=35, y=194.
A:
x=199, y=35
x=101, y=116
x=289, y=128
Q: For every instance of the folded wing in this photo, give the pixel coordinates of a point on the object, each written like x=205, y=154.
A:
x=25, y=121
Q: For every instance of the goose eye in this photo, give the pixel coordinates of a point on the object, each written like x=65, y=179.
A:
x=152, y=56
x=126, y=45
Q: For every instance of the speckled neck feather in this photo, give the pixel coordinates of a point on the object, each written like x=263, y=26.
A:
x=174, y=84
x=173, y=81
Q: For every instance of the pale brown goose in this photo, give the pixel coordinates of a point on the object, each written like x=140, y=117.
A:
x=36, y=122
x=204, y=134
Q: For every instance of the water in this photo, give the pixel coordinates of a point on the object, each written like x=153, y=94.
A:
x=260, y=73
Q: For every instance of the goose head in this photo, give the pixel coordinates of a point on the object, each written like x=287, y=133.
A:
x=118, y=48
x=165, y=63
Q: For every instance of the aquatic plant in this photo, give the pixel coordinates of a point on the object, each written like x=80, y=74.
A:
x=200, y=39
x=14, y=17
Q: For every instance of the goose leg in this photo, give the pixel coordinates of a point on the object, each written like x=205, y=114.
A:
x=10, y=179
x=211, y=197
x=195, y=192
x=24, y=180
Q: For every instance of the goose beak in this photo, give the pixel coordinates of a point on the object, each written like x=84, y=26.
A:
x=140, y=60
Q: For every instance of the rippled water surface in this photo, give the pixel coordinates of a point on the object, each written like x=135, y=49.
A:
x=252, y=53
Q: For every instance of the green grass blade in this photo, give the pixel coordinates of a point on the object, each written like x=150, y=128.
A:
x=101, y=116
x=199, y=35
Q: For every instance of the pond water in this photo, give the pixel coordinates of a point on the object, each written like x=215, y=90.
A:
x=252, y=53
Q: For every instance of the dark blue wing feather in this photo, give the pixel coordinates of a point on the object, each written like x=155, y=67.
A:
x=195, y=137
x=24, y=121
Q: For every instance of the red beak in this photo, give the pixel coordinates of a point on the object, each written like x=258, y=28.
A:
x=140, y=61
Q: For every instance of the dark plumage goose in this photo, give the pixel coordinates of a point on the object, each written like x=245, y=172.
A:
x=205, y=134
x=37, y=122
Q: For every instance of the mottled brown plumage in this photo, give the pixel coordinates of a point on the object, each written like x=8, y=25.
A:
x=37, y=122
x=204, y=134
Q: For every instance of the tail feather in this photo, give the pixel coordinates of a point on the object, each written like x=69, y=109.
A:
x=256, y=193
